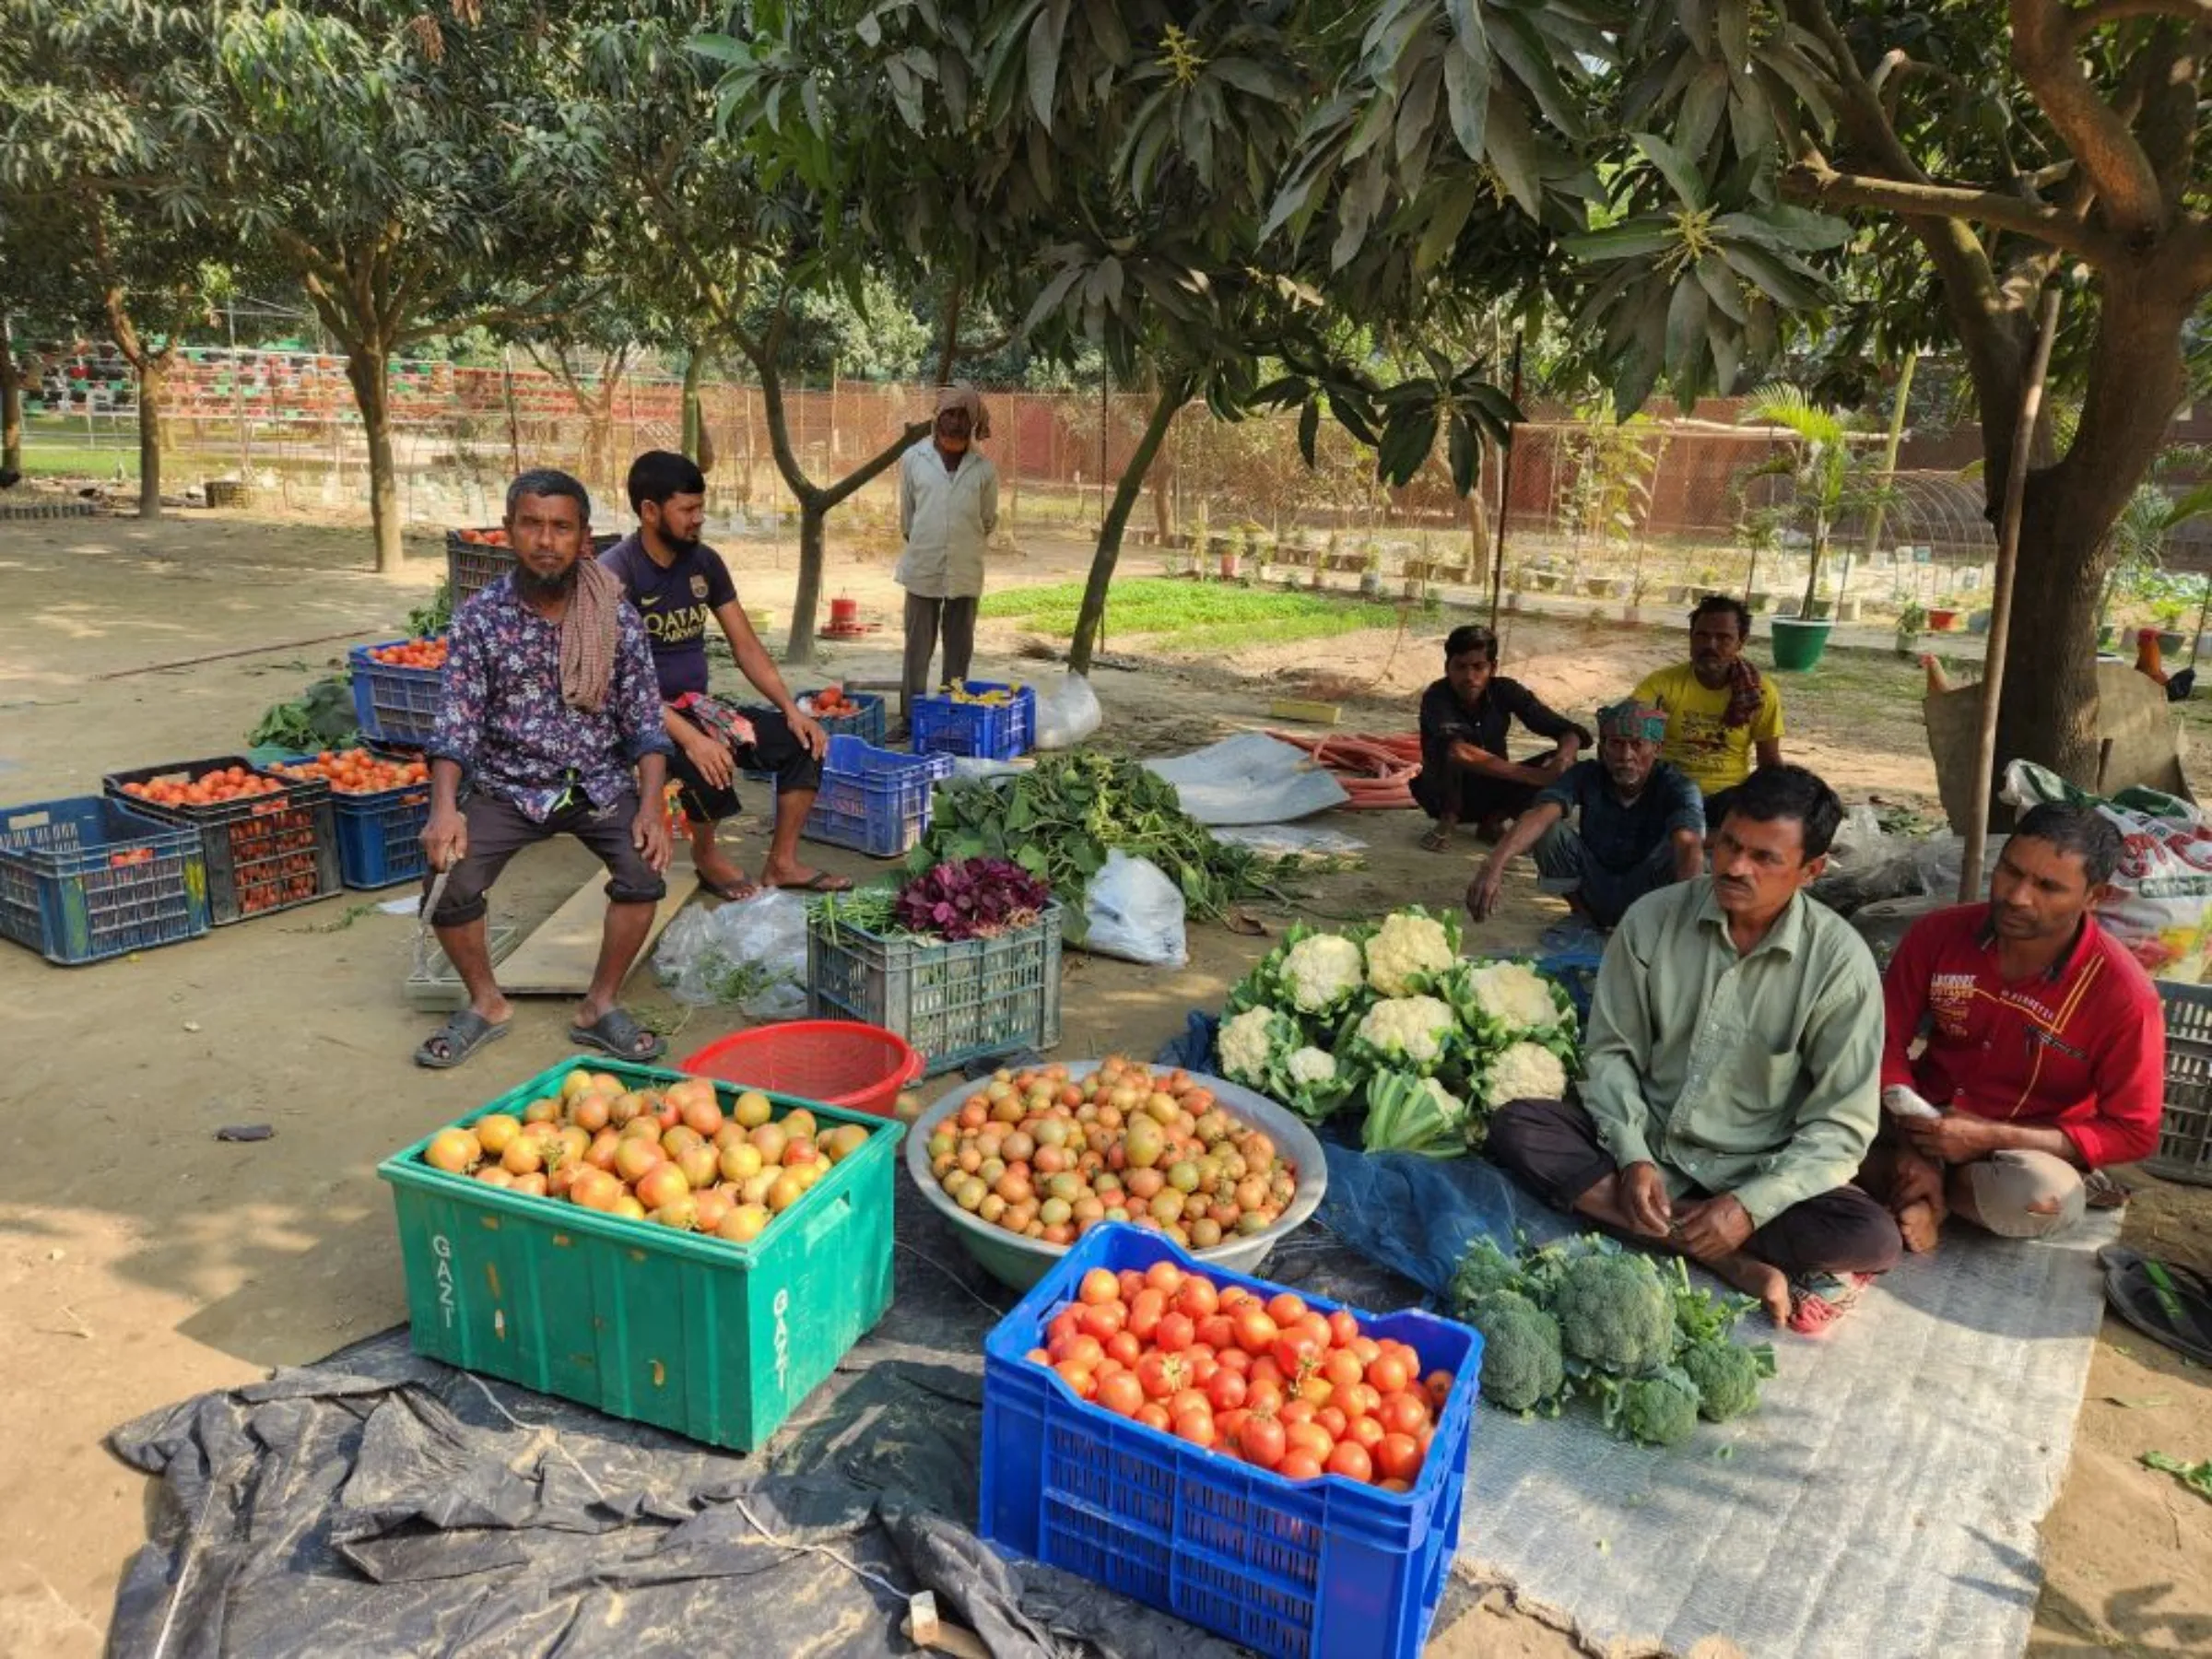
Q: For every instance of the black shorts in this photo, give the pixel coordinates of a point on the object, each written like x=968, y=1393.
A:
x=497, y=829
x=776, y=748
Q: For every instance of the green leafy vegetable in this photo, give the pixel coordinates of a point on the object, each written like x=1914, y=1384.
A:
x=2196, y=1477
x=318, y=718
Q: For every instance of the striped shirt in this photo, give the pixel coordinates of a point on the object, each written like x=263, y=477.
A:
x=2081, y=1048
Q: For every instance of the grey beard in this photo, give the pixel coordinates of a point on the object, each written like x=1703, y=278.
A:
x=531, y=585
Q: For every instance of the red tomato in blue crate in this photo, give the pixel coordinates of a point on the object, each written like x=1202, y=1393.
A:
x=1295, y=1399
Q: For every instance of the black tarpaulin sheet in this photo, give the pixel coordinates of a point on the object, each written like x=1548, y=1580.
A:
x=378, y=1502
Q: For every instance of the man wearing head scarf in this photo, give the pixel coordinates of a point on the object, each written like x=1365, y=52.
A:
x=947, y=508
x=1610, y=831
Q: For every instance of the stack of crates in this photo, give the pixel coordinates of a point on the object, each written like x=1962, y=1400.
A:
x=265, y=853
x=873, y=801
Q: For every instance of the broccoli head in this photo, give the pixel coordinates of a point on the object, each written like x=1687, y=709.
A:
x=1483, y=1271
x=1727, y=1375
x=1614, y=1312
x=1657, y=1410
x=1522, y=1363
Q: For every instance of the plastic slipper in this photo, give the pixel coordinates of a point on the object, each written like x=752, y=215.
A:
x=821, y=881
x=617, y=1034
x=730, y=893
x=2169, y=1304
x=1436, y=841
x=465, y=1033
x=1818, y=1299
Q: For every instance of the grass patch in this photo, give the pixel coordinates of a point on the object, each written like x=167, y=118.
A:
x=1197, y=616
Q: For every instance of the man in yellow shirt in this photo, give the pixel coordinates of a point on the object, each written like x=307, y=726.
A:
x=1722, y=712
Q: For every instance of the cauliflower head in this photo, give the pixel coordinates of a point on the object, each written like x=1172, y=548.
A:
x=1523, y=1365
x=1616, y=1311
x=1409, y=948
x=1411, y=1030
x=1246, y=1045
x=1310, y=1066
x=1525, y=1071
x=1323, y=970
x=1513, y=997
x=1312, y=1084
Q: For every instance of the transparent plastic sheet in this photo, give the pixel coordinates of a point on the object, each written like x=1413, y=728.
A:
x=1295, y=841
x=751, y=952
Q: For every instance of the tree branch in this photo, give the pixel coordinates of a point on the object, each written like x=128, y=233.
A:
x=2042, y=52
x=1830, y=188
x=2102, y=13
x=914, y=432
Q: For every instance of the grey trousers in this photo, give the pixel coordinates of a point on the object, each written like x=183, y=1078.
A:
x=924, y=618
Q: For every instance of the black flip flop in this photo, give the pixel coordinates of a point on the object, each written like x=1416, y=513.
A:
x=617, y=1033
x=821, y=881
x=465, y=1033
x=2168, y=1303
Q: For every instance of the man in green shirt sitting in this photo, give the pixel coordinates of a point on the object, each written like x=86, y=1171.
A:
x=1735, y=1052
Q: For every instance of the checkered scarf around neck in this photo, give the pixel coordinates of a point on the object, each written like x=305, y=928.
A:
x=1745, y=693
x=589, y=635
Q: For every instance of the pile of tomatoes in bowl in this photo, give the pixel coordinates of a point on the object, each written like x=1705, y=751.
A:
x=1270, y=1381
x=411, y=653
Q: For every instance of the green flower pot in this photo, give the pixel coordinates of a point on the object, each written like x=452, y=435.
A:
x=1799, y=643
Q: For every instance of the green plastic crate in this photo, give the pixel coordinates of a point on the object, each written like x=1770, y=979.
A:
x=713, y=1340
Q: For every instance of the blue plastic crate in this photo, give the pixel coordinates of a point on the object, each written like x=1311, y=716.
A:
x=872, y=800
x=985, y=731
x=869, y=725
x=1326, y=1569
x=86, y=878
x=380, y=834
x=394, y=705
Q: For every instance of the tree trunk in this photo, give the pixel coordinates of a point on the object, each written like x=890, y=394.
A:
x=365, y=367
x=1092, y=616
x=807, y=598
x=2135, y=385
x=694, y=422
x=11, y=401
x=153, y=375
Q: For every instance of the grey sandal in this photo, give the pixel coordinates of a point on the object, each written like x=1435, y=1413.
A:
x=464, y=1034
x=617, y=1033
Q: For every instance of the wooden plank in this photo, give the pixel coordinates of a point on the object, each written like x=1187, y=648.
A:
x=557, y=961
x=1300, y=709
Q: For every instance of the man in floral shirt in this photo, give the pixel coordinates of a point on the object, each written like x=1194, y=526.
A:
x=552, y=714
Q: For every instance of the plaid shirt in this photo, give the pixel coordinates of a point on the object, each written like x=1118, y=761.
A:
x=502, y=718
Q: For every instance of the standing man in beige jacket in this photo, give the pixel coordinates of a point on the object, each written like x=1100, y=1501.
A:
x=947, y=508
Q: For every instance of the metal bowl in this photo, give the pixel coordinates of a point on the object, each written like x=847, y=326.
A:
x=1019, y=1262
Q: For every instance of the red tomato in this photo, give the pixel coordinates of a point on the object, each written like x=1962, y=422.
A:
x=1189, y=1399
x=1202, y=1363
x=1388, y=1374
x=1197, y=1426
x=1084, y=1351
x=1297, y=1465
x=1174, y=1333
x=1121, y=1394
x=1315, y=1329
x=1099, y=1285
x=1295, y=1411
x=1263, y=1396
x=1398, y=1457
x=1285, y=1309
x=1161, y=1374
x=1439, y=1386
x=1360, y=1400
x=1343, y=1327
x=1166, y=1278
x=1218, y=1332
x=1396, y=1486
x=1153, y=1414
x=1256, y=1331
x=1104, y=1319
x=1295, y=1355
x=1062, y=1326
x=1233, y=1297
x=1145, y=1309
x=1365, y=1432
x=1261, y=1441
x=1078, y=1378
x=1225, y=1390
x=1198, y=1298
x=1334, y=1420
x=1129, y=1282
x=1403, y=1414
x=1366, y=1348
x=1341, y=1369
x=1312, y=1439
x=1124, y=1350
x=1349, y=1459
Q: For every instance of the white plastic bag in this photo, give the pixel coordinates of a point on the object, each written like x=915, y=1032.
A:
x=1067, y=713
x=1131, y=909
x=751, y=952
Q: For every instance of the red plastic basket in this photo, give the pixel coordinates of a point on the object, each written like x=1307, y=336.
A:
x=838, y=1062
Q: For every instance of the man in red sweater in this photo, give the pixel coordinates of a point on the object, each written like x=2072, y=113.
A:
x=2045, y=1045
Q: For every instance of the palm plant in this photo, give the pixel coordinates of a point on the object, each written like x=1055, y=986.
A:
x=1828, y=479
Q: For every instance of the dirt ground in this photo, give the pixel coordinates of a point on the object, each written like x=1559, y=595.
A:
x=144, y=1261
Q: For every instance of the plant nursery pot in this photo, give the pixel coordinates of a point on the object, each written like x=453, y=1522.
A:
x=1371, y=584
x=1849, y=610
x=1598, y=587
x=1942, y=621
x=1798, y=644
x=1677, y=595
x=1544, y=581
x=1760, y=602
x=2171, y=641
x=1229, y=565
x=1512, y=602
x=1978, y=623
